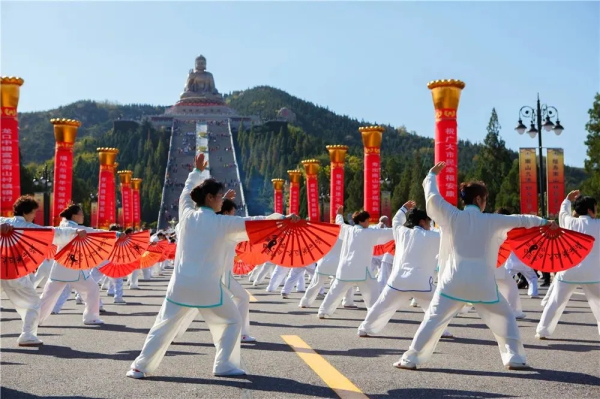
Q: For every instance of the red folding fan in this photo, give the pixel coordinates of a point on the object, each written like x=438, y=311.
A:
x=387, y=248
x=86, y=253
x=551, y=250
x=292, y=244
x=51, y=252
x=22, y=251
x=170, y=250
x=249, y=254
x=130, y=248
x=149, y=259
x=117, y=271
x=240, y=267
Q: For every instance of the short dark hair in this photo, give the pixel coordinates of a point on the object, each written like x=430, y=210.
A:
x=115, y=227
x=128, y=230
x=228, y=206
x=503, y=211
x=360, y=216
x=160, y=234
x=584, y=204
x=70, y=211
x=25, y=204
x=415, y=216
x=208, y=186
x=471, y=190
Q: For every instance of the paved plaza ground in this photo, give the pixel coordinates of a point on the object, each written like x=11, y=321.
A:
x=297, y=356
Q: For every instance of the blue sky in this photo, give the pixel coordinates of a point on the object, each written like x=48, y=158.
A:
x=369, y=60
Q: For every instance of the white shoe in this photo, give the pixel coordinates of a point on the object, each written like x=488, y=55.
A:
x=232, y=372
x=413, y=303
x=29, y=340
x=520, y=315
x=362, y=334
x=517, y=366
x=120, y=301
x=137, y=374
x=134, y=287
x=321, y=316
x=95, y=322
x=541, y=337
x=78, y=301
x=248, y=338
x=447, y=334
x=405, y=364
x=284, y=296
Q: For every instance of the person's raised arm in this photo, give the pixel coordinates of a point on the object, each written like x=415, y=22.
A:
x=564, y=216
x=400, y=216
x=339, y=220
x=436, y=206
x=194, y=178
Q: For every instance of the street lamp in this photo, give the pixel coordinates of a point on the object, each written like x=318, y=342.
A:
x=535, y=116
x=44, y=183
x=324, y=198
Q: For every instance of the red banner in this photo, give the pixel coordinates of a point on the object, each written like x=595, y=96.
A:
x=386, y=204
x=127, y=206
x=528, y=181
x=39, y=215
x=446, y=150
x=94, y=214
x=312, y=196
x=137, y=216
x=555, y=170
x=9, y=154
x=294, y=198
x=372, y=176
x=336, y=189
x=278, y=201
x=63, y=179
x=120, y=219
x=106, y=197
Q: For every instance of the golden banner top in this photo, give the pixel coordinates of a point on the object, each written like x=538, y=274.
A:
x=10, y=89
x=107, y=155
x=278, y=184
x=136, y=183
x=295, y=176
x=337, y=153
x=311, y=166
x=371, y=135
x=446, y=93
x=125, y=177
x=65, y=130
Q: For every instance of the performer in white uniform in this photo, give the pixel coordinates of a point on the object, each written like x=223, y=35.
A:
x=196, y=282
x=413, y=271
x=586, y=274
x=60, y=276
x=263, y=270
x=20, y=291
x=469, y=246
x=355, y=259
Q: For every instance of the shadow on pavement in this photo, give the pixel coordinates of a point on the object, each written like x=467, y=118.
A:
x=14, y=394
x=428, y=393
x=64, y=352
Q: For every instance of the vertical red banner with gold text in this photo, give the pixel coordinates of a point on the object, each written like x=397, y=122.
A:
x=9, y=158
x=372, y=181
x=312, y=195
x=294, y=198
x=137, y=219
x=446, y=150
x=106, y=195
x=336, y=189
x=63, y=179
x=278, y=201
x=120, y=219
x=528, y=181
x=127, y=206
x=555, y=169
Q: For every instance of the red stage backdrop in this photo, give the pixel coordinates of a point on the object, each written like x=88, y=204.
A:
x=10, y=88
x=278, y=195
x=106, y=187
x=311, y=167
x=555, y=168
x=65, y=133
x=337, y=156
x=446, y=97
x=136, y=184
x=528, y=180
x=126, y=197
x=371, y=137
x=295, y=179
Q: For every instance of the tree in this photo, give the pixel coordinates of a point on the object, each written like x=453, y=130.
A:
x=509, y=195
x=592, y=164
x=494, y=161
x=416, y=192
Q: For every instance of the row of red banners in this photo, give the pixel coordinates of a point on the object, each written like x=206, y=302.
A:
x=528, y=177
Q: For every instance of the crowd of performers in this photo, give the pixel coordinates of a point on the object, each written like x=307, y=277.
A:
x=458, y=251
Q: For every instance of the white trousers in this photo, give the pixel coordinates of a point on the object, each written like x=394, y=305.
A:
x=295, y=277
x=559, y=297
x=262, y=273
x=530, y=275
x=27, y=304
x=369, y=289
x=115, y=287
x=510, y=291
x=147, y=273
x=42, y=273
x=90, y=293
x=64, y=296
x=316, y=287
x=223, y=321
x=132, y=280
x=386, y=306
x=277, y=278
x=384, y=274
x=497, y=316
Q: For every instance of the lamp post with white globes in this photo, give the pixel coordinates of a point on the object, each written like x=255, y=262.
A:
x=44, y=183
x=535, y=116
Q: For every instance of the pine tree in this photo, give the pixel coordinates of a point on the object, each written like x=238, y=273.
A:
x=416, y=192
x=592, y=164
x=509, y=195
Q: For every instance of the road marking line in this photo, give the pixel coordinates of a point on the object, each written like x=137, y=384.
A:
x=252, y=298
x=341, y=385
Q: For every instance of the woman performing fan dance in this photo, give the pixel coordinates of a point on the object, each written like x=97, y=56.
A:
x=413, y=271
x=20, y=291
x=469, y=247
x=196, y=282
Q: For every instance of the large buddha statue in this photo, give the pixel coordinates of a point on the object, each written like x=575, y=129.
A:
x=200, y=84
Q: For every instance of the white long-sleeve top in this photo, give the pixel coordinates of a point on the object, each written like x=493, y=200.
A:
x=60, y=233
x=588, y=271
x=328, y=264
x=469, y=245
x=416, y=256
x=202, y=251
x=60, y=272
x=357, y=250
